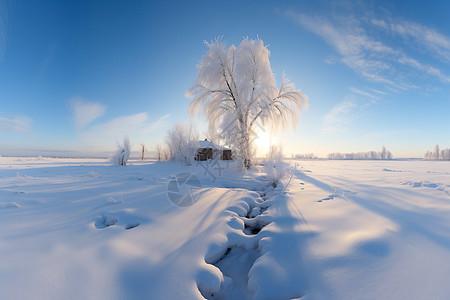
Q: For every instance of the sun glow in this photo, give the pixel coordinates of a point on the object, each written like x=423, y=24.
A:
x=263, y=141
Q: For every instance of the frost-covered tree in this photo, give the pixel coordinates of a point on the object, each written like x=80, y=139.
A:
x=445, y=154
x=389, y=155
x=436, y=153
x=122, y=154
x=236, y=88
x=383, y=152
x=182, y=142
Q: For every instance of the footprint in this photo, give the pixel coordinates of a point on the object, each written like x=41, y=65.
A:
x=235, y=265
x=105, y=221
x=11, y=205
x=252, y=229
x=256, y=211
x=124, y=218
x=132, y=225
x=114, y=200
x=330, y=197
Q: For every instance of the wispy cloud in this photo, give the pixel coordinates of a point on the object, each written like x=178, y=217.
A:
x=153, y=126
x=363, y=93
x=138, y=126
x=424, y=68
x=357, y=50
x=117, y=127
x=378, y=91
x=354, y=106
x=429, y=38
x=361, y=46
x=340, y=116
x=85, y=112
x=19, y=125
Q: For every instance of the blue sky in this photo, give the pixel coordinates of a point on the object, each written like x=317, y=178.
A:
x=76, y=76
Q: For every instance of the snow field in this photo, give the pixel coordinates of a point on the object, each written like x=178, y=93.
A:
x=375, y=237
x=83, y=229
x=76, y=229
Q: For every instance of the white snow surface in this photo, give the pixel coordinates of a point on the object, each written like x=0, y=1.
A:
x=84, y=229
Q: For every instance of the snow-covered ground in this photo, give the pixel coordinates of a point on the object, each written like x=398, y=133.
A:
x=84, y=229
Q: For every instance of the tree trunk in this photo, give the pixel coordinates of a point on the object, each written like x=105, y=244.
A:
x=246, y=150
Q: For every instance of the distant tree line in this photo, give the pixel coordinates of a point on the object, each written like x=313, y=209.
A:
x=371, y=155
x=438, y=154
x=307, y=156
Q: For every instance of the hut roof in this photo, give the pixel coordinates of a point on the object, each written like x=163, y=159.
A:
x=208, y=144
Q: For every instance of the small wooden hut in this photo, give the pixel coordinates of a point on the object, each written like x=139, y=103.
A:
x=209, y=150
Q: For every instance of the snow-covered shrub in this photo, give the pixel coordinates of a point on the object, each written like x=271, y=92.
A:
x=274, y=166
x=122, y=154
x=182, y=142
x=237, y=91
x=371, y=155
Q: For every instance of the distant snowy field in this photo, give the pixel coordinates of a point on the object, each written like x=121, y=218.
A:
x=84, y=229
